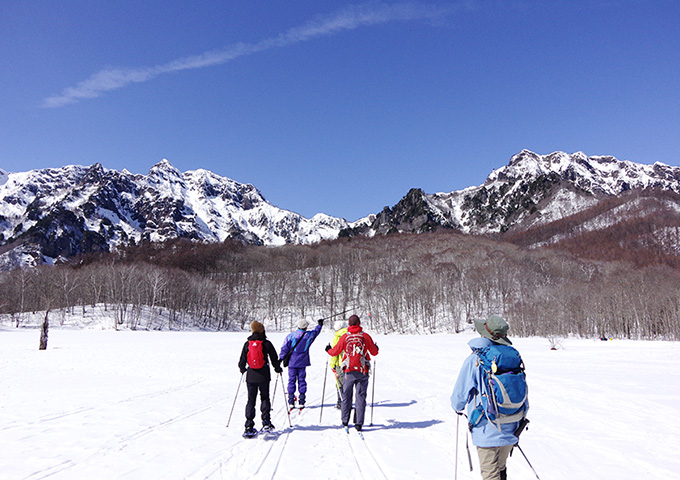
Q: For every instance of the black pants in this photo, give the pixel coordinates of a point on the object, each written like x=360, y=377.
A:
x=265, y=405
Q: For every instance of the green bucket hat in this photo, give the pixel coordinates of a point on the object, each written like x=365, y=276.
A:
x=494, y=328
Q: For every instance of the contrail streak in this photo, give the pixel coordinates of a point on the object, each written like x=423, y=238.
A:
x=351, y=18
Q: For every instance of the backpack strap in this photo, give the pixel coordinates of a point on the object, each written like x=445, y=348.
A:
x=294, y=341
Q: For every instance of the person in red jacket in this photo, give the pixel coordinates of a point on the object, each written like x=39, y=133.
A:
x=356, y=347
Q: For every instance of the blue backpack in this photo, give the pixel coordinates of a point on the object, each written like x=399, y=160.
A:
x=503, y=383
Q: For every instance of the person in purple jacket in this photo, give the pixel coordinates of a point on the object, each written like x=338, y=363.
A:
x=295, y=355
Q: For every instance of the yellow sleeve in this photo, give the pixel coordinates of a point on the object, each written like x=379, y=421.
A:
x=335, y=361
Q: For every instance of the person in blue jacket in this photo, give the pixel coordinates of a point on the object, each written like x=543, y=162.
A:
x=494, y=442
x=295, y=355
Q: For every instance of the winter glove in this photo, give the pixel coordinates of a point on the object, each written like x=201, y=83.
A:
x=320, y=321
x=328, y=347
x=376, y=347
x=278, y=370
x=243, y=371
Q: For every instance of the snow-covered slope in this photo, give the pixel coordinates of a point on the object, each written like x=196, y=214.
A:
x=531, y=190
x=64, y=211
x=53, y=213
x=107, y=404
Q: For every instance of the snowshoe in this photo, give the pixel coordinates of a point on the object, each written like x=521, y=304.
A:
x=250, y=433
x=267, y=428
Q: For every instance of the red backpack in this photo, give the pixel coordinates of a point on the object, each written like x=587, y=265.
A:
x=355, y=353
x=255, y=354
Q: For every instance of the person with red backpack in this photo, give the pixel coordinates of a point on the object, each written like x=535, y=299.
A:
x=356, y=347
x=254, y=362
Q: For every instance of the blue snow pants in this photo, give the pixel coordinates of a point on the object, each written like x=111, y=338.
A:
x=297, y=376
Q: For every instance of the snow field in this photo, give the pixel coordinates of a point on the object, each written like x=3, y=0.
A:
x=148, y=405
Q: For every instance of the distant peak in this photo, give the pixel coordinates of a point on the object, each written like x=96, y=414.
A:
x=555, y=161
x=164, y=169
x=164, y=165
x=96, y=167
x=525, y=152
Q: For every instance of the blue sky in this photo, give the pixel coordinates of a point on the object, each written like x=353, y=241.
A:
x=331, y=106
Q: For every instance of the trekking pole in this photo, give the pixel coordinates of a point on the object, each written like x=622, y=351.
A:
x=235, y=397
x=336, y=314
x=274, y=395
x=373, y=391
x=525, y=458
x=323, y=391
x=284, y=400
x=455, y=475
x=467, y=447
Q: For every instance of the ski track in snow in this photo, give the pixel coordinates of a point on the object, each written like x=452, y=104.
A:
x=60, y=415
x=147, y=405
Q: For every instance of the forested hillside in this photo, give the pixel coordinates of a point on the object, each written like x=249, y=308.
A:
x=433, y=282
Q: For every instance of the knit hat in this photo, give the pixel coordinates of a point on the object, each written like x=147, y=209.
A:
x=494, y=328
x=354, y=320
x=302, y=324
x=339, y=324
x=257, y=327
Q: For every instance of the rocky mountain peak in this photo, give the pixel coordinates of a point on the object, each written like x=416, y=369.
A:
x=165, y=171
x=71, y=210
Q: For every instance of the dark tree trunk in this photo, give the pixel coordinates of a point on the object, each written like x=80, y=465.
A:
x=43, y=332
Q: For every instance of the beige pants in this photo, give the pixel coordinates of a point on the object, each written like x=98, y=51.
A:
x=492, y=461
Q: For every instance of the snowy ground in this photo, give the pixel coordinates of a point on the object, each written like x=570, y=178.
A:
x=102, y=404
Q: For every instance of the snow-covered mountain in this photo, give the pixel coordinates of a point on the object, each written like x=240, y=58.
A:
x=532, y=190
x=53, y=213
x=56, y=213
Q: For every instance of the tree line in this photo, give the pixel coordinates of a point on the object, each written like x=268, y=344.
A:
x=398, y=283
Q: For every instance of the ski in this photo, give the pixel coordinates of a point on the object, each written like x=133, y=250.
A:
x=270, y=434
x=360, y=433
x=264, y=433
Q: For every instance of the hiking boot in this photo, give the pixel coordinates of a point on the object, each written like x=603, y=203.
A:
x=358, y=427
x=250, y=432
x=267, y=427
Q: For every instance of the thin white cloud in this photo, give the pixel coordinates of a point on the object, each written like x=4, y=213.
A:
x=351, y=18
